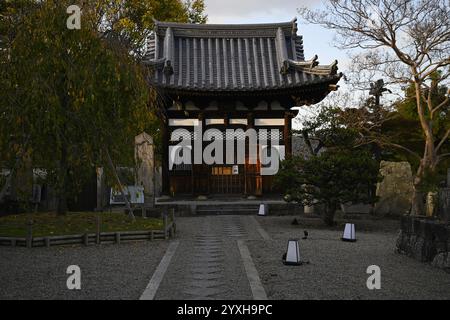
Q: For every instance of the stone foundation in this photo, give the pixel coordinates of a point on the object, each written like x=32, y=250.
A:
x=185, y=209
x=425, y=240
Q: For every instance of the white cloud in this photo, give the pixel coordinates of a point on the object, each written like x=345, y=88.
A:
x=240, y=11
x=317, y=39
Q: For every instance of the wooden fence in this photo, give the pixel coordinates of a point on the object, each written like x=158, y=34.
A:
x=29, y=241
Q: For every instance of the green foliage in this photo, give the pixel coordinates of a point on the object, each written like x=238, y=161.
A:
x=131, y=21
x=195, y=9
x=49, y=224
x=339, y=173
x=67, y=95
x=330, y=178
x=404, y=129
x=407, y=107
x=329, y=129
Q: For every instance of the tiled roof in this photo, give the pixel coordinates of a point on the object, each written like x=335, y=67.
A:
x=233, y=58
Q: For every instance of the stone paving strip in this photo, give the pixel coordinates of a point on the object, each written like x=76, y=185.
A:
x=152, y=287
x=252, y=274
x=209, y=263
x=263, y=233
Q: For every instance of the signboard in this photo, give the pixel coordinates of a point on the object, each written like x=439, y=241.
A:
x=135, y=195
x=235, y=170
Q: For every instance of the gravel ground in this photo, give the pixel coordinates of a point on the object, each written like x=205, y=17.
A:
x=207, y=264
x=107, y=271
x=337, y=269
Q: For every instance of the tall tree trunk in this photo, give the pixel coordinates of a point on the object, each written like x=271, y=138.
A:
x=330, y=210
x=427, y=166
x=19, y=159
x=427, y=163
x=417, y=206
x=62, y=183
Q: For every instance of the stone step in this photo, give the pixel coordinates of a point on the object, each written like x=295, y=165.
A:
x=227, y=209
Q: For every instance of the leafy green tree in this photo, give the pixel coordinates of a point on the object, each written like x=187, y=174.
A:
x=327, y=129
x=407, y=43
x=196, y=11
x=336, y=171
x=70, y=101
x=130, y=22
x=330, y=178
x=397, y=132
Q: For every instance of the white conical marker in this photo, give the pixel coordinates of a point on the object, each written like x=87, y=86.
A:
x=262, y=210
x=292, y=256
x=349, y=233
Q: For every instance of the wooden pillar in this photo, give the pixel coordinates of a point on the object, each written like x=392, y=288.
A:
x=287, y=133
x=247, y=172
x=192, y=168
x=165, y=158
x=201, y=176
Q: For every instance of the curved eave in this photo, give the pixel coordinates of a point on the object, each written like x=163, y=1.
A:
x=318, y=85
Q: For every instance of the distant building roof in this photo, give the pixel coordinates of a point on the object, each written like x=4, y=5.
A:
x=233, y=58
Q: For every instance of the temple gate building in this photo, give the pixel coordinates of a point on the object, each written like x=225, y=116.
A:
x=231, y=77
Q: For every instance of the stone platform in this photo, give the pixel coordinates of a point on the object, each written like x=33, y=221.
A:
x=425, y=240
x=190, y=205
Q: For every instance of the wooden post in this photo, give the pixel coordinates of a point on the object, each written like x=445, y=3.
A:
x=97, y=235
x=172, y=214
x=165, y=226
x=118, y=237
x=165, y=158
x=86, y=239
x=100, y=188
x=287, y=132
x=248, y=190
x=30, y=234
x=47, y=242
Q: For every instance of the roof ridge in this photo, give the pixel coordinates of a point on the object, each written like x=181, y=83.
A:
x=284, y=24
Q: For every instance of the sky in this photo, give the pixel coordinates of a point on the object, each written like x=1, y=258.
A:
x=317, y=40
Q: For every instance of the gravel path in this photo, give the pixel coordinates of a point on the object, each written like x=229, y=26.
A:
x=107, y=271
x=337, y=269
x=207, y=264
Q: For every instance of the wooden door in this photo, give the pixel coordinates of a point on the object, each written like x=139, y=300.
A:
x=253, y=178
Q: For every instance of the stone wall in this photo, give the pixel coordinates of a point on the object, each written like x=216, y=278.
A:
x=425, y=240
x=396, y=189
x=444, y=204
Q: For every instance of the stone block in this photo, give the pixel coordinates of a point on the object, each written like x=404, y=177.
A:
x=396, y=189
